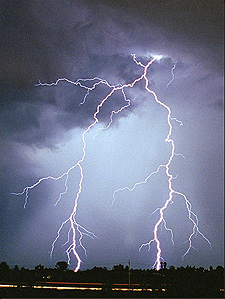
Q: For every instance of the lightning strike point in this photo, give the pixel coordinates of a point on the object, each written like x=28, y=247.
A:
x=157, y=57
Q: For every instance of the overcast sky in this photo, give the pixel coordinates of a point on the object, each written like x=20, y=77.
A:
x=42, y=126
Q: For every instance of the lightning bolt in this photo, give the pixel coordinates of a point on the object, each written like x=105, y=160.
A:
x=172, y=73
x=76, y=232
x=191, y=215
x=76, y=229
x=114, y=112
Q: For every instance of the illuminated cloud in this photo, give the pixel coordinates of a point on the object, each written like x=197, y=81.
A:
x=41, y=126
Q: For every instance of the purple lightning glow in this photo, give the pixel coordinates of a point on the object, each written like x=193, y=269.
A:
x=172, y=73
x=76, y=231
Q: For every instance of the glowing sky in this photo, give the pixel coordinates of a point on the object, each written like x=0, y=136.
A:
x=41, y=127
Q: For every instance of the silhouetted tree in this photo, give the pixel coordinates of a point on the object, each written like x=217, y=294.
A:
x=4, y=271
x=119, y=273
x=4, y=266
x=39, y=267
x=62, y=265
x=16, y=268
x=118, y=268
x=220, y=269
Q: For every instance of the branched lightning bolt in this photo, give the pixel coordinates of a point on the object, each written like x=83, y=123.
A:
x=136, y=184
x=178, y=121
x=76, y=231
x=191, y=215
x=179, y=155
x=172, y=73
x=114, y=112
x=164, y=225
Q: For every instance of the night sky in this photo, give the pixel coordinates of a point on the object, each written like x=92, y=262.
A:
x=42, y=126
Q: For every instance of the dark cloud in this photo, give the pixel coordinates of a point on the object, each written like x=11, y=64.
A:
x=46, y=40
x=76, y=39
x=38, y=41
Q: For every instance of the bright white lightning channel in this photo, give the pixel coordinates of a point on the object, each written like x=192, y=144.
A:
x=76, y=232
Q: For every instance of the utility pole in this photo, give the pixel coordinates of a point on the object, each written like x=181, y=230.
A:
x=129, y=272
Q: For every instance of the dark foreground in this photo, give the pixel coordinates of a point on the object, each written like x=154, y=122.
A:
x=120, y=281
x=101, y=292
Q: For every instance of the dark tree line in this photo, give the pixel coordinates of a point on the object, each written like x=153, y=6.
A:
x=178, y=282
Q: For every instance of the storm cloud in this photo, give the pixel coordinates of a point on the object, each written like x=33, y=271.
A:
x=42, y=41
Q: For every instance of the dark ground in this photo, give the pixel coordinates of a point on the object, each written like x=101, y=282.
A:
x=189, y=282
x=41, y=293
